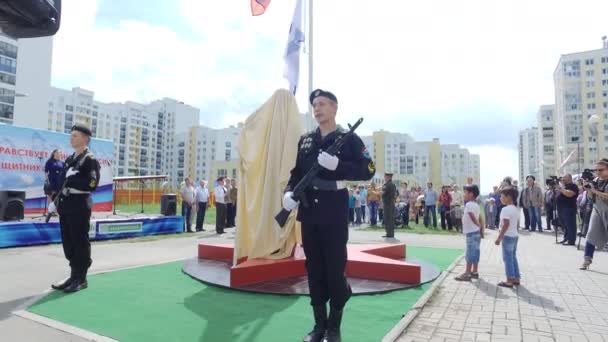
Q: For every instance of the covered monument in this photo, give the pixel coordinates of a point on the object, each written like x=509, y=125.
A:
x=267, y=153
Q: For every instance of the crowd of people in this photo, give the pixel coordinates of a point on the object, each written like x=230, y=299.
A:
x=199, y=199
x=368, y=204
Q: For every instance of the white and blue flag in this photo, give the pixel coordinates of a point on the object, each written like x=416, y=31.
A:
x=294, y=46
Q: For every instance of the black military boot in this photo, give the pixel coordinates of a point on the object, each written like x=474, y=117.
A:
x=79, y=282
x=76, y=285
x=65, y=284
x=333, y=326
x=317, y=333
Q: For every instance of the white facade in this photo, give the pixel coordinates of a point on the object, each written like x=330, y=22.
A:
x=457, y=164
x=547, y=149
x=144, y=136
x=25, y=79
x=211, y=147
x=581, y=90
x=529, y=159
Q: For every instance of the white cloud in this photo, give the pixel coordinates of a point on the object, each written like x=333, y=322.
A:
x=497, y=162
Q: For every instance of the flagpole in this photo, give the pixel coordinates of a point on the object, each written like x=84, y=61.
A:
x=310, y=64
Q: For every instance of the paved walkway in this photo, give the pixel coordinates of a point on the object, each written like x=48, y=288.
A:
x=556, y=301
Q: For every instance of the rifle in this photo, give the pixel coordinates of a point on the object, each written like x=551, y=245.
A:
x=305, y=182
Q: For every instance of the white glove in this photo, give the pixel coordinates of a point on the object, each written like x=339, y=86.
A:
x=328, y=161
x=288, y=202
x=71, y=172
x=52, y=208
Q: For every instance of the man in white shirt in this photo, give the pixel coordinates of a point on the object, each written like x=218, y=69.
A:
x=220, y=206
x=202, y=198
x=187, y=193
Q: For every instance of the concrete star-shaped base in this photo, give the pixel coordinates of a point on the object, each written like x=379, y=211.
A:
x=378, y=262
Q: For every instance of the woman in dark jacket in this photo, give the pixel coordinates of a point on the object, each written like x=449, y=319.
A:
x=54, y=173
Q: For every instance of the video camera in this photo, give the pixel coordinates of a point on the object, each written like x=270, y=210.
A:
x=552, y=181
x=589, y=177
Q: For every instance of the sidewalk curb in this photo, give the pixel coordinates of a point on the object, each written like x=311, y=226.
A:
x=400, y=327
x=72, y=330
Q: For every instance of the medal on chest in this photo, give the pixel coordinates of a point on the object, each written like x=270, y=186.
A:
x=306, y=144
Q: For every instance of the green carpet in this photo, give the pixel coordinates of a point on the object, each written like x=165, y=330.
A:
x=160, y=303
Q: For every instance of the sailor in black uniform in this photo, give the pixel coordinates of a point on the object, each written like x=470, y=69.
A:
x=74, y=205
x=325, y=215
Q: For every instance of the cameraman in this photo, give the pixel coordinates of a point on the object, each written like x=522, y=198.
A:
x=597, y=236
x=566, y=209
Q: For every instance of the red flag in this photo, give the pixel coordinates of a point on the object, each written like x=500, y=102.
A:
x=258, y=7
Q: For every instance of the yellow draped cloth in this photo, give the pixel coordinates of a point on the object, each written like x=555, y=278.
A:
x=267, y=151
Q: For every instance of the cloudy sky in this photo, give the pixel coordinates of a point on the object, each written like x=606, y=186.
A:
x=472, y=73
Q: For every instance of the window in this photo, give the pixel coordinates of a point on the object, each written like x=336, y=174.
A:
x=590, y=84
x=590, y=105
x=589, y=61
x=589, y=73
x=572, y=68
x=591, y=95
x=8, y=50
x=9, y=79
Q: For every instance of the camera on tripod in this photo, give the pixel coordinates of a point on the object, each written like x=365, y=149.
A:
x=552, y=181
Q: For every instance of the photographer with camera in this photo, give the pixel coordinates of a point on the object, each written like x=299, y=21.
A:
x=597, y=235
x=566, y=208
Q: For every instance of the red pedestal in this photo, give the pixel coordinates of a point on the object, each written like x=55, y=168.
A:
x=378, y=262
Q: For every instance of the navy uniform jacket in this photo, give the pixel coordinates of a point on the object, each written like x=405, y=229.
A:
x=329, y=206
x=86, y=179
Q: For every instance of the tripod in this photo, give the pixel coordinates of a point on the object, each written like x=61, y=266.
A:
x=44, y=210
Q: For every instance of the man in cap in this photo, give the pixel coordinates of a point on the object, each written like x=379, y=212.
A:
x=389, y=194
x=74, y=205
x=324, y=216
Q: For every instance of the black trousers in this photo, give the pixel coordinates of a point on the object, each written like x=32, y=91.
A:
x=389, y=219
x=200, y=215
x=220, y=217
x=444, y=214
x=75, y=241
x=230, y=215
x=406, y=215
x=325, y=249
x=363, y=212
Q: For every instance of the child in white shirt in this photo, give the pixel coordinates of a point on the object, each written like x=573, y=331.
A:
x=472, y=227
x=509, y=215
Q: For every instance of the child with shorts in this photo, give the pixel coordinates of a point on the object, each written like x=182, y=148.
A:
x=472, y=228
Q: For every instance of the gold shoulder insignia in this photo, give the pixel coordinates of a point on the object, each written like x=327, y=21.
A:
x=371, y=167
